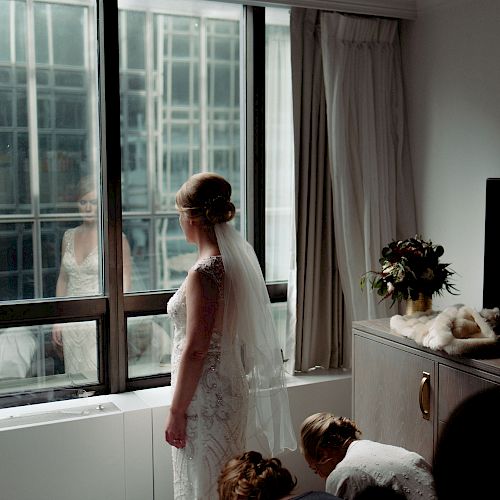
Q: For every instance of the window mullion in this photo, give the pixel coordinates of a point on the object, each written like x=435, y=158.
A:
x=204, y=139
x=114, y=344
x=33, y=146
x=256, y=188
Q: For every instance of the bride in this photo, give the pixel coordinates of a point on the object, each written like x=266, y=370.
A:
x=227, y=374
x=79, y=276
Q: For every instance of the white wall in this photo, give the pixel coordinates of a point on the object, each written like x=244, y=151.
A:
x=121, y=454
x=451, y=58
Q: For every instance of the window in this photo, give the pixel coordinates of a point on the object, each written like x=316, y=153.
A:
x=279, y=156
x=181, y=114
x=279, y=145
x=73, y=228
x=48, y=144
x=48, y=137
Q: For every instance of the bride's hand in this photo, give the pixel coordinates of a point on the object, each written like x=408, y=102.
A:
x=175, y=430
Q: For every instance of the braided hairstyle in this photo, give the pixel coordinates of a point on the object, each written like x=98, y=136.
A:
x=323, y=431
x=207, y=197
x=250, y=476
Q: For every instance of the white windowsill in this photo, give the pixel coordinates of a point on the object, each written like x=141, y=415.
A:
x=56, y=411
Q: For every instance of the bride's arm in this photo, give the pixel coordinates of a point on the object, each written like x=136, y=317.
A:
x=62, y=278
x=201, y=305
x=127, y=265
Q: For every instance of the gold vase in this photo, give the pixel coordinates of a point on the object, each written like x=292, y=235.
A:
x=422, y=304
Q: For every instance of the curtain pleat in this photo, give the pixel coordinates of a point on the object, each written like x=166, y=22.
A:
x=373, y=200
x=319, y=302
x=351, y=65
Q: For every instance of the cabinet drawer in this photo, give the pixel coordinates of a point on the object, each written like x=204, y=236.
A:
x=454, y=387
x=387, y=386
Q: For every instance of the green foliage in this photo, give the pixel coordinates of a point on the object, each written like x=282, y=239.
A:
x=410, y=267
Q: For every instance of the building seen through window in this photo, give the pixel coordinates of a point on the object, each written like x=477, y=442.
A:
x=182, y=110
x=181, y=114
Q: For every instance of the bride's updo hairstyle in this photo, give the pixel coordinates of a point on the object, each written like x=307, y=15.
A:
x=325, y=431
x=207, y=197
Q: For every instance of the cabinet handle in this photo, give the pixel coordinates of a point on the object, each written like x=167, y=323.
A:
x=423, y=401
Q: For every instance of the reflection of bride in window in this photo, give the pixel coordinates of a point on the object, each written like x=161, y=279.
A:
x=79, y=276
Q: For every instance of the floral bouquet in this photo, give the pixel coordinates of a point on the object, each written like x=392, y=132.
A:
x=410, y=269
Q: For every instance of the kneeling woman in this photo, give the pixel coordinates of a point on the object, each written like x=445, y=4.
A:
x=332, y=449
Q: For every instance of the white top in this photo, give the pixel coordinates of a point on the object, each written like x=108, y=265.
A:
x=369, y=463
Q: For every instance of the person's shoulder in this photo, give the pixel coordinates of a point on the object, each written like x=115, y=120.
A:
x=371, y=455
x=357, y=448
x=209, y=261
x=208, y=270
x=361, y=446
x=366, y=445
x=69, y=234
x=212, y=265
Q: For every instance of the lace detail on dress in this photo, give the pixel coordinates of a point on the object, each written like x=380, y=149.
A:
x=213, y=267
x=83, y=277
x=217, y=413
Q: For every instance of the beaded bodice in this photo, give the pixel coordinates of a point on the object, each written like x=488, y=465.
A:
x=212, y=267
x=83, y=277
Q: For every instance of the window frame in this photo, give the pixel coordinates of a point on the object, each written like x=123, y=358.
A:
x=113, y=308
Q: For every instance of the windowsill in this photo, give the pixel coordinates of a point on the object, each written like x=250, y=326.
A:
x=316, y=376
x=162, y=396
x=75, y=381
x=48, y=382
x=156, y=397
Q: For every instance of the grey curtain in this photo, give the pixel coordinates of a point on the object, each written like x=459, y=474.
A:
x=358, y=132
x=372, y=178
x=319, y=299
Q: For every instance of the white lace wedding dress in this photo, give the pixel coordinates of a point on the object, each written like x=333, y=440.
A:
x=216, y=417
x=79, y=339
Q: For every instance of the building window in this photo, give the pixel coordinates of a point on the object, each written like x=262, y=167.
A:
x=181, y=113
x=48, y=144
x=48, y=137
x=182, y=93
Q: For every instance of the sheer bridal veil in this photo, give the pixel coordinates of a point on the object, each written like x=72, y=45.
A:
x=249, y=327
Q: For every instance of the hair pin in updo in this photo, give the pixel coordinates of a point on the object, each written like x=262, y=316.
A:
x=212, y=201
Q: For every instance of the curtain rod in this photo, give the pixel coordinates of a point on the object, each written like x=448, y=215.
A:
x=402, y=9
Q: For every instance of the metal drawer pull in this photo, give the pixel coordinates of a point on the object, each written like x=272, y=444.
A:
x=424, y=402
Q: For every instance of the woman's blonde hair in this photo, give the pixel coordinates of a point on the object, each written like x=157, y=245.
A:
x=251, y=476
x=85, y=186
x=324, y=430
x=206, y=196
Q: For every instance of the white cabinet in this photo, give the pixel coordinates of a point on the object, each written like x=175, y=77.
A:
x=403, y=393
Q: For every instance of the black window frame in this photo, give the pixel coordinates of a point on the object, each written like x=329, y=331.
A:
x=113, y=308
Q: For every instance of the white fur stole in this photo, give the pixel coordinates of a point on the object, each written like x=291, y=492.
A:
x=457, y=330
